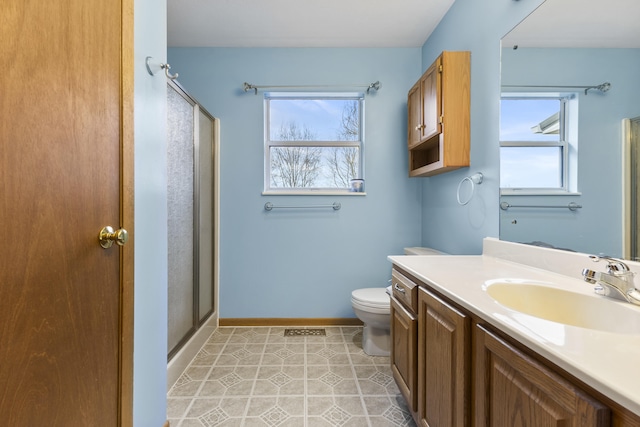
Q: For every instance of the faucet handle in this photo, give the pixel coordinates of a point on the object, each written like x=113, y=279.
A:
x=589, y=275
x=613, y=265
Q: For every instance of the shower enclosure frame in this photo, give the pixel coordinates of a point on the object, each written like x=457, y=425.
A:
x=631, y=188
x=192, y=296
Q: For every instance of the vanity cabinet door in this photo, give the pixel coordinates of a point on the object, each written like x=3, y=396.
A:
x=512, y=389
x=444, y=363
x=404, y=335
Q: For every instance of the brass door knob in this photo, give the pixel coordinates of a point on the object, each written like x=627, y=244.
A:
x=108, y=236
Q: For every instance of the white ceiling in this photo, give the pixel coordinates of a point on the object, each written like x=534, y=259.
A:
x=303, y=23
x=580, y=23
x=387, y=23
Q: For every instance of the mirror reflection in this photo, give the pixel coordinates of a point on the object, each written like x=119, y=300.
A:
x=570, y=108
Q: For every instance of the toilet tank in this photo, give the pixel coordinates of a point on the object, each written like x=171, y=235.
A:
x=422, y=251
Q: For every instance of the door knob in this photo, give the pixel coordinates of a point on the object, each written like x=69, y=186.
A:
x=107, y=237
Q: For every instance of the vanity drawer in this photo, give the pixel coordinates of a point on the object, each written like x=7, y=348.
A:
x=404, y=290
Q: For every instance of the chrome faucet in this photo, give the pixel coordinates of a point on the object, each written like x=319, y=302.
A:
x=616, y=282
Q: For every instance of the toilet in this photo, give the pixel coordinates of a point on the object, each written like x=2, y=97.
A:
x=372, y=307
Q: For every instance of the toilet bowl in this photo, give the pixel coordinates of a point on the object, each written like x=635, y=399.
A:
x=373, y=307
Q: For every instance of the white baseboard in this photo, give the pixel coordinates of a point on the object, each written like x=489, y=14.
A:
x=183, y=358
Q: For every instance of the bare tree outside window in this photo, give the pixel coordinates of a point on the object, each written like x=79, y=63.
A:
x=295, y=167
x=312, y=141
x=350, y=122
x=343, y=161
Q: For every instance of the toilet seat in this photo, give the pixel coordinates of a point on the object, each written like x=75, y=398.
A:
x=372, y=300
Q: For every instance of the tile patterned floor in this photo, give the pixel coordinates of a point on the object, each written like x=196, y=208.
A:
x=255, y=376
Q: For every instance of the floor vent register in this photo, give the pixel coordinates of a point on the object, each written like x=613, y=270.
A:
x=304, y=332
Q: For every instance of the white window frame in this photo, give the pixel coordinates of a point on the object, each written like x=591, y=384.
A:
x=269, y=144
x=568, y=117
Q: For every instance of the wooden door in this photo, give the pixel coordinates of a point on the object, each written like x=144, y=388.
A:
x=65, y=167
x=444, y=354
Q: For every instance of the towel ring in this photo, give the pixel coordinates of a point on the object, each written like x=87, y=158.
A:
x=474, y=179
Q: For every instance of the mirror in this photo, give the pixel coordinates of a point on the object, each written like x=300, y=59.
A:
x=570, y=48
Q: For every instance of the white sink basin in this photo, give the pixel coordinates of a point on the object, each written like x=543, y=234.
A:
x=566, y=307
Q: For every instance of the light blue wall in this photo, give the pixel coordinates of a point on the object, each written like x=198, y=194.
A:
x=149, y=238
x=476, y=26
x=597, y=228
x=305, y=263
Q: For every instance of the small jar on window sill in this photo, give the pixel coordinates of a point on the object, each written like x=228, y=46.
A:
x=356, y=185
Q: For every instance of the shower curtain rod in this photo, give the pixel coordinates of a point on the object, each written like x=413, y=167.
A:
x=601, y=87
x=248, y=86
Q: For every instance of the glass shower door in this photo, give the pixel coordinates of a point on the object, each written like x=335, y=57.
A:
x=190, y=239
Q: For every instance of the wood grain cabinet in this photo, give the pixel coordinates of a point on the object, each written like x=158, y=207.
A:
x=423, y=107
x=455, y=370
x=404, y=336
x=430, y=356
x=443, y=363
x=438, y=111
x=513, y=389
x=404, y=328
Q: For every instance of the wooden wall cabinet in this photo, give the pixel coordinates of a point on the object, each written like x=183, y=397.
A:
x=469, y=375
x=438, y=116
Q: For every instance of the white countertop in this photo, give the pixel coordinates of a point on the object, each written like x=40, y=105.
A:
x=604, y=360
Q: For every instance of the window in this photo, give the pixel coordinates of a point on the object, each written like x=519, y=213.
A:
x=535, y=149
x=313, y=142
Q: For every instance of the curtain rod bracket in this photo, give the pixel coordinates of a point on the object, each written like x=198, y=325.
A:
x=154, y=67
x=602, y=87
x=375, y=85
x=247, y=87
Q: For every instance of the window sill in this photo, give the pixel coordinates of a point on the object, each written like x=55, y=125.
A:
x=312, y=193
x=530, y=192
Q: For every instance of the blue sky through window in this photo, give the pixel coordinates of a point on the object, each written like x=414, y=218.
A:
x=530, y=166
x=518, y=116
x=321, y=116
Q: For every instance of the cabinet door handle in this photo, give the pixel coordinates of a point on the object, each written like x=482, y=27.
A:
x=398, y=288
x=420, y=127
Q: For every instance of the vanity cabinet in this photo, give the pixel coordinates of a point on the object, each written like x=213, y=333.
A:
x=512, y=388
x=469, y=374
x=438, y=132
x=430, y=356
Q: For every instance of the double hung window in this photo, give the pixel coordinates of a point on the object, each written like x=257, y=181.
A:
x=535, y=147
x=314, y=142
